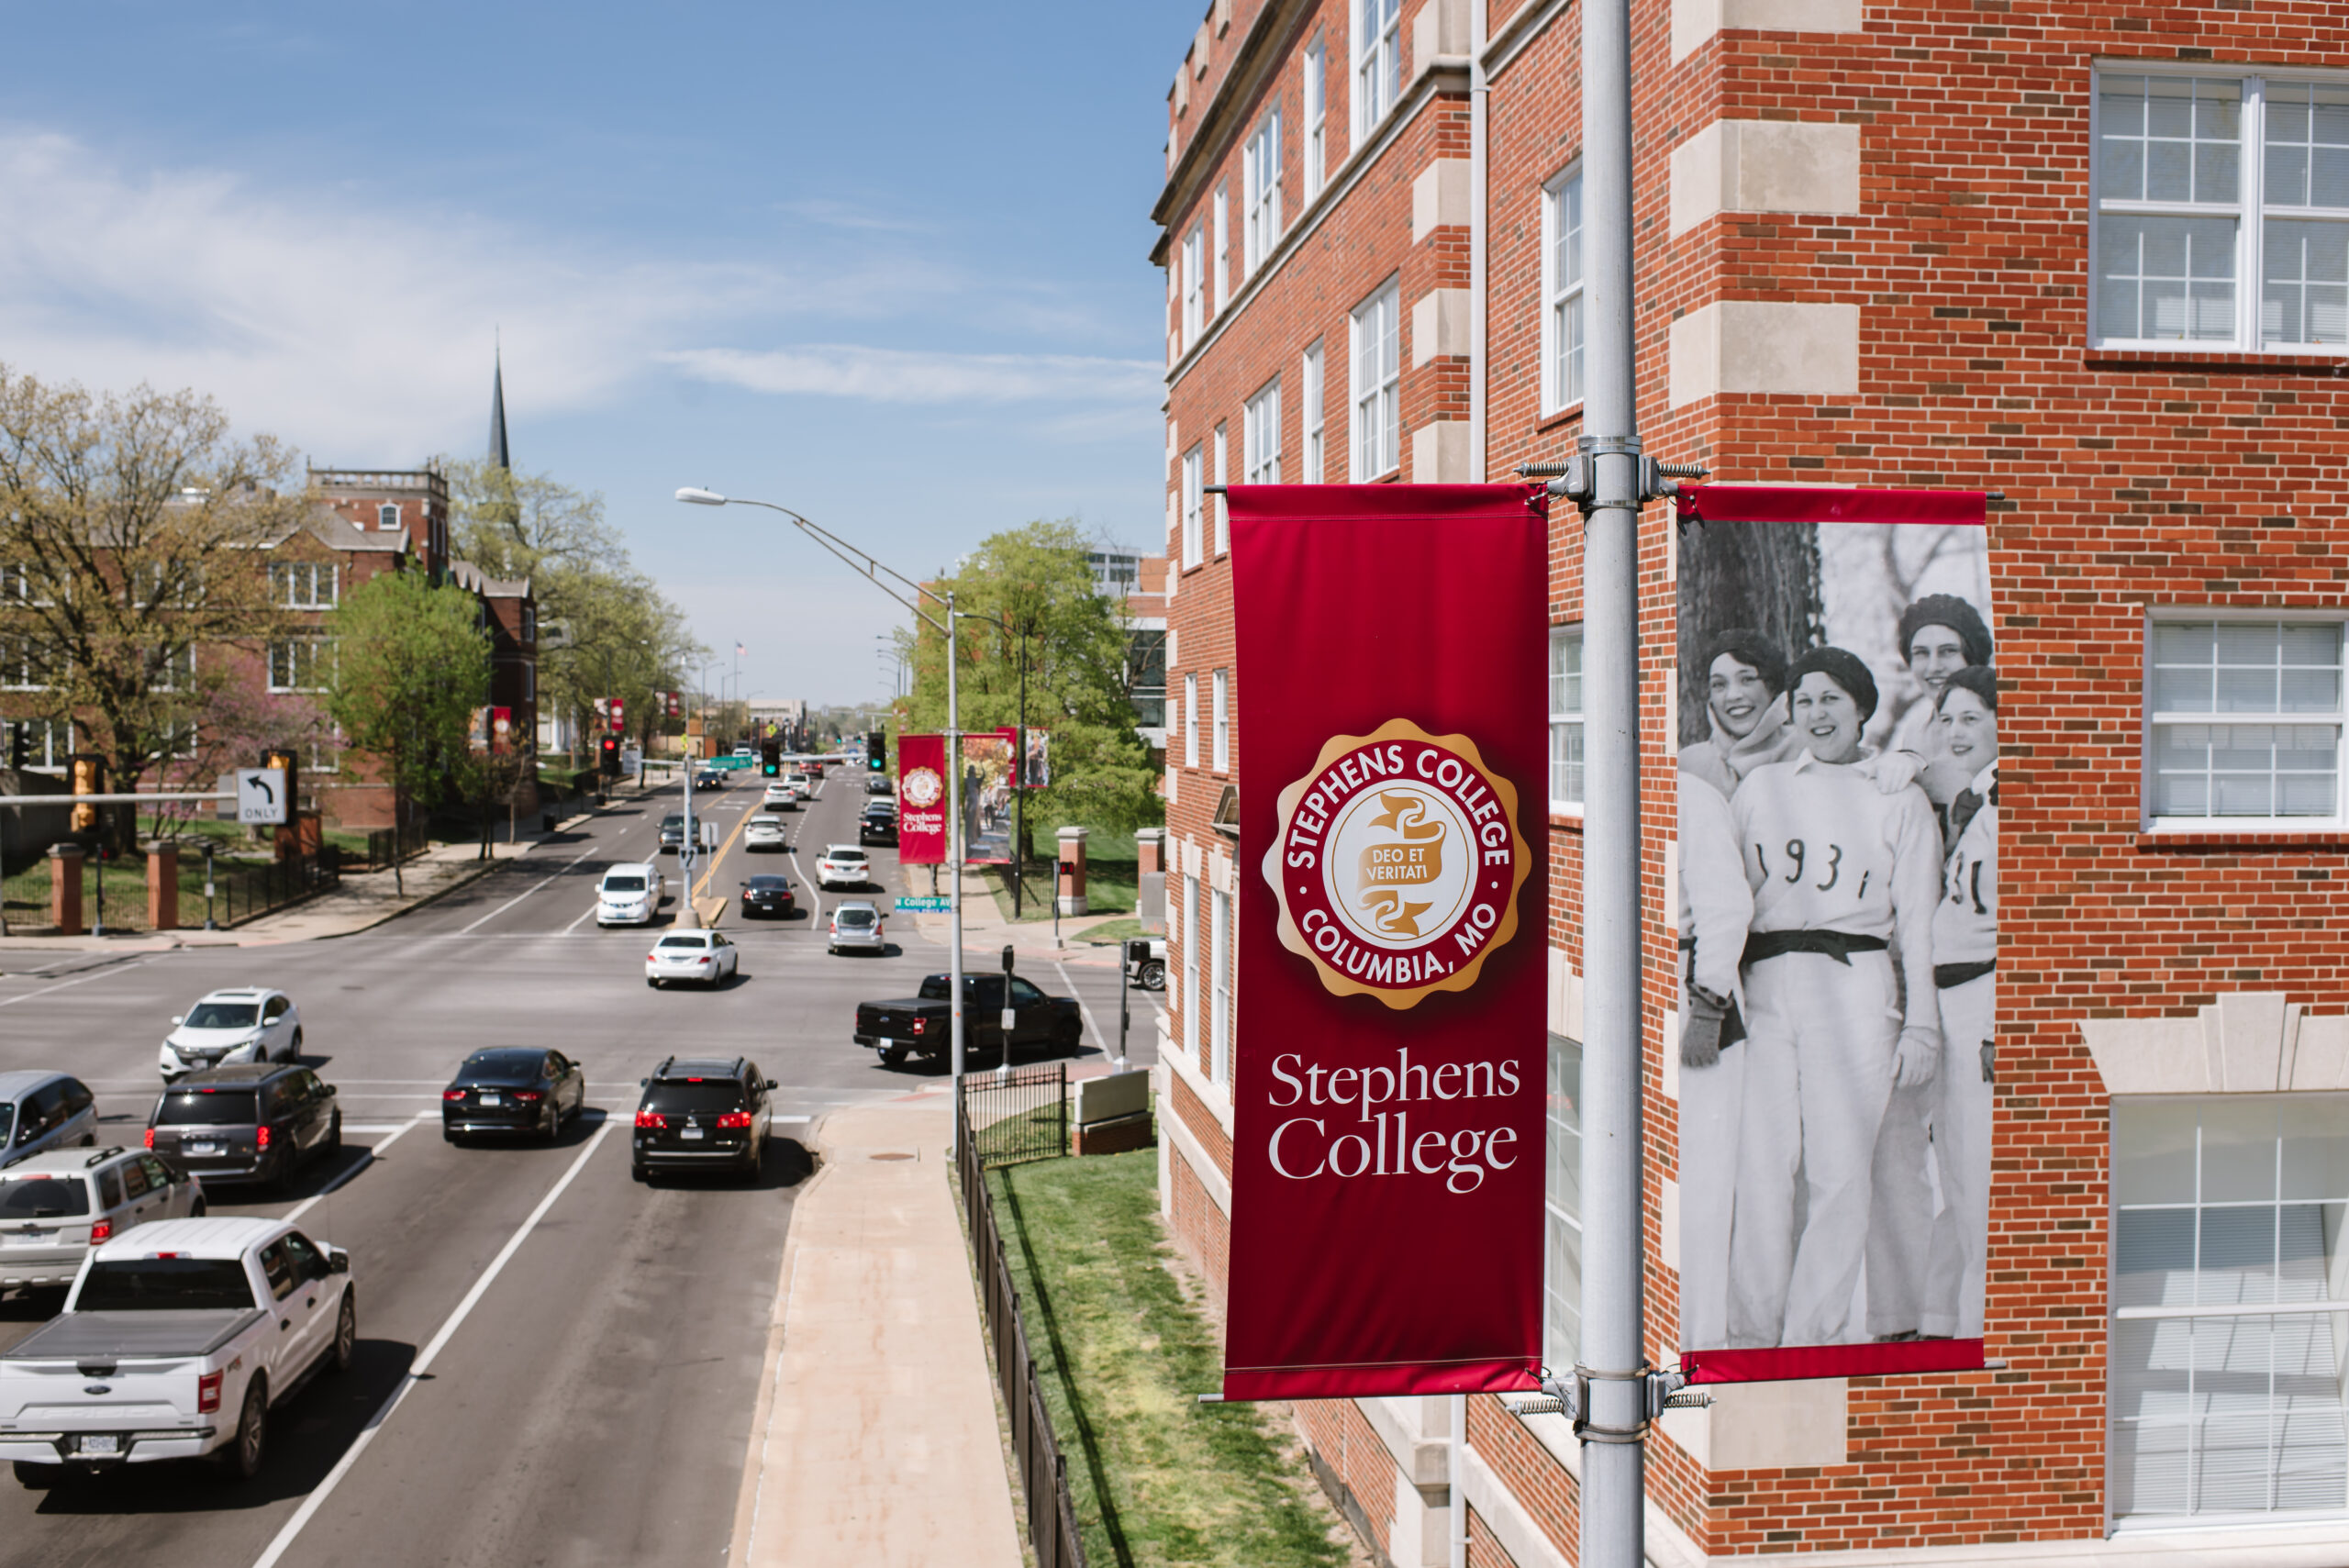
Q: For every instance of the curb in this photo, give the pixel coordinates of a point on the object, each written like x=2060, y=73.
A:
x=754, y=1457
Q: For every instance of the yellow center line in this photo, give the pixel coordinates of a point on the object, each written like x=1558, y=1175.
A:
x=719, y=857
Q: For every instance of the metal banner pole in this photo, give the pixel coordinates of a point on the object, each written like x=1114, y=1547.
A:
x=954, y=865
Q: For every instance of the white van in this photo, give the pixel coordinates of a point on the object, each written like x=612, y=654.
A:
x=629, y=894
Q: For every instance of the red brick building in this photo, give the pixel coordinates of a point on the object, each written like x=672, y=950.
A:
x=2087, y=255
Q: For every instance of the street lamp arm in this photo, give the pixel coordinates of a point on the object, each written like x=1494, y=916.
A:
x=862, y=560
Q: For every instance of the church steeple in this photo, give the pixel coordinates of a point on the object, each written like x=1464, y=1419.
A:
x=498, y=455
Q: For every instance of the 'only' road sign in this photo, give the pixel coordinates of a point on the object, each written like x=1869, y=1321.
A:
x=261, y=795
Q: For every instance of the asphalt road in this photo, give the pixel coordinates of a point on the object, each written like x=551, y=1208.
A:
x=595, y=1344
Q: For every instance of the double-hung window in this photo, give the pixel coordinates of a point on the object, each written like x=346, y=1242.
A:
x=2244, y=722
x=298, y=664
x=1565, y=718
x=1378, y=63
x=1194, y=492
x=2230, y=1308
x=1195, y=285
x=1223, y=721
x=1191, y=720
x=1315, y=473
x=1223, y=478
x=2206, y=182
x=303, y=585
x=1562, y=293
x=172, y=669
x=1222, y=248
x=1220, y=989
x=1260, y=190
x=1317, y=118
x=23, y=666
x=1191, y=966
x=387, y=516
x=1562, y=1208
x=1379, y=384
x=1260, y=437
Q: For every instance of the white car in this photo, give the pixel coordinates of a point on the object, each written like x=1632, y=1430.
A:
x=779, y=796
x=843, y=865
x=803, y=784
x=199, y=1326
x=629, y=896
x=246, y=1023
x=857, y=926
x=764, y=831
x=706, y=958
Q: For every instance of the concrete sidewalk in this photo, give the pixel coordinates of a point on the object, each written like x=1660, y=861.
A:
x=876, y=1440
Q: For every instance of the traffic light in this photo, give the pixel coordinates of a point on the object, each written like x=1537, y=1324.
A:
x=769, y=757
x=609, y=760
x=876, y=751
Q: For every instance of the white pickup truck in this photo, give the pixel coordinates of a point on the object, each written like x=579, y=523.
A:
x=176, y=1338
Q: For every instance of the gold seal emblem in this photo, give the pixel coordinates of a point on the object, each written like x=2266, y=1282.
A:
x=924, y=787
x=1397, y=863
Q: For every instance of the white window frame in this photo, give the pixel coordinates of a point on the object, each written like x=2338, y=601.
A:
x=1191, y=966
x=1223, y=721
x=387, y=516
x=1567, y=752
x=1191, y=720
x=1222, y=248
x=1376, y=357
x=169, y=671
x=1563, y=329
x=1377, y=63
x=1219, y=946
x=1317, y=469
x=43, y=754
x=294, y=672
x=1260, y=436
x=1223, y=478
x=2250, y=212
x=1194, y=492
x=1317, y=118
x=1195, y=282
x=294, y=584
x=1260, y=193
x=2155, y=718
x=1561, y=1207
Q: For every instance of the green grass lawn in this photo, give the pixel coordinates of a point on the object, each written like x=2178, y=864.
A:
x=1156, y=1477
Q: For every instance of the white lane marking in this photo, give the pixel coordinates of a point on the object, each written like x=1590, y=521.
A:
x=815, y=919
x=568, y=867
x=582, y=915
x=1090, y=1021
x=423, y=1363
x=110, y=969
x=368, y=1159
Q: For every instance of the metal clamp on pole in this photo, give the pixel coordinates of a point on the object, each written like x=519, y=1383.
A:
x=1576, y=479
x=1570, y=1398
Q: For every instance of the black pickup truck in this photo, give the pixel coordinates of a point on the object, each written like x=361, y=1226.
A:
x=923, y=1024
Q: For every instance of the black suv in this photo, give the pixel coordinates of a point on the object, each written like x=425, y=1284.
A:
x=252, y=1121
x=700, y=1112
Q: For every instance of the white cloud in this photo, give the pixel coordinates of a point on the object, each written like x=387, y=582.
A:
x=899, y=376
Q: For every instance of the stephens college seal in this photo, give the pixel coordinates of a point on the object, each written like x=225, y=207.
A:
x=1398, y=863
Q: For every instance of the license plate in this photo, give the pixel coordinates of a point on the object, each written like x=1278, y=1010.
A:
x=101, y=1442
x=201, y=1148
x=693, y=1134
x=491, y=1100
x=31, y=1236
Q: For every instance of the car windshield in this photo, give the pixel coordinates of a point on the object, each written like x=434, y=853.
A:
x=502, y=1067
x=7, y=1122
x=767, y=883
x=702, y=1099
x=855, y=916
x=42, y=1196
x=617, y=883
x=206, y=1107
x=224, y=1015
x=683, y=942
x=848, y=854
x=165, y=1284
x=675, y=819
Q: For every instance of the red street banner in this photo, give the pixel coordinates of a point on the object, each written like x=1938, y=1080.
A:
x=1390, y=1061
x=921, y=800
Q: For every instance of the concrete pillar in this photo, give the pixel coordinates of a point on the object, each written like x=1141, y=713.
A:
x=1072, y=877
x=65, y=889
x=1150, y=893
x=1150, y=848
x=162, y=886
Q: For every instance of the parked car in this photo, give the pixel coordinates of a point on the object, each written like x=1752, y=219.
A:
x=766, y=894
x=176, y=1339
x=513, y=1088
x=704, y=957
x=245, y=1023
x=857, y=927
x=764, y=831
x=631, y=894
x=778, y=796
x=923, y=1024
x=673, y=832
x=251, y=1122
x=42, y=1110
x=1146, y=962
x=843, y=865
x=55, y=1207
x=700, y=1112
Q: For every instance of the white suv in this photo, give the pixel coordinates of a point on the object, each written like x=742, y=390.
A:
x=843, y=865
x=629, y=896
x=246, y=1023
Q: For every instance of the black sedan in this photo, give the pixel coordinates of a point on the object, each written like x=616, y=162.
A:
x=768, y=895
x=513, y=1089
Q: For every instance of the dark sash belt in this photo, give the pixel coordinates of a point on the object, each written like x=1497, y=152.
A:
x=1837, y=945
x=1947, y=975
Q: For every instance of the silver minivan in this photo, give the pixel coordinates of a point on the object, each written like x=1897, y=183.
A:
x=55, y=1207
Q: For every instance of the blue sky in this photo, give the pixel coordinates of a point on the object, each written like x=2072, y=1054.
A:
x=881, y=264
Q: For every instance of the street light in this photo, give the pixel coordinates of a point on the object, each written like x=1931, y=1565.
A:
x=873, y=571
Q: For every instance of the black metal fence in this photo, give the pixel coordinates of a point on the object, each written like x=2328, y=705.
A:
x=248, y=891
x=1003, y=1119
x=386, y=845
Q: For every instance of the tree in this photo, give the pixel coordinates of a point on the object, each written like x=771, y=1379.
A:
x=130, y=533
x=410, y=671
x=1037, y=580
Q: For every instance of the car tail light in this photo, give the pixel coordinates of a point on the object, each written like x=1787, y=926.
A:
x=101, y=1231
x=151, y=1138
x=261, y=1138
x=652, y=957
x=452, y=1093
x=703, y=959
x=734, y=1119
x=207, y=1393
x=651, y=1119
x=919, y=1024
x=527, y=1095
